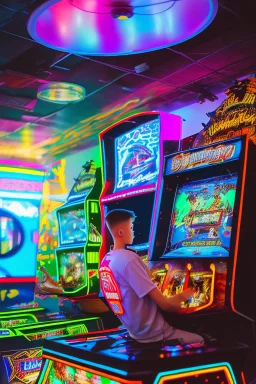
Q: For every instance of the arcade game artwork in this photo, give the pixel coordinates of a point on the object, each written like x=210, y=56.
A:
x=202, y=218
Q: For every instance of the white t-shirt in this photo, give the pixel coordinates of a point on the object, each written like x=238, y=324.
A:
x=125, y=284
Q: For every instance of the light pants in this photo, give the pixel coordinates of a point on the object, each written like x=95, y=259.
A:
x=185, y=337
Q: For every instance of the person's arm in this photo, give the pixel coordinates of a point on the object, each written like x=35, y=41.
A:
x=171, y=304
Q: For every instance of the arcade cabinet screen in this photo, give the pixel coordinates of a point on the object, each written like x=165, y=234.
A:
x=137, y=156
x=142, y=206
x=202, y=215
x=72, y=226
x=71, y=270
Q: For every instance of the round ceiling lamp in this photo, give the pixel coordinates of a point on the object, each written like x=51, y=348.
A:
x=111, y=28
x=61, y=93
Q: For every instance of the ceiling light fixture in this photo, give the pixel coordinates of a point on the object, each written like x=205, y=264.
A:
x=61, y=93
x=121, y=13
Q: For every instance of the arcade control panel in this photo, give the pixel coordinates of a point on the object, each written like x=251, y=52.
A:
x=113, y=357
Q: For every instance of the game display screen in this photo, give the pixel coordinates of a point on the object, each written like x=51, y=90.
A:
x=72, y=226
x=137, y=156
x=71, y=270
x=201, y=221
x=142, y=222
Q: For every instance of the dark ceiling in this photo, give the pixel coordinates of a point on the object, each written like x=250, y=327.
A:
x=33, y=130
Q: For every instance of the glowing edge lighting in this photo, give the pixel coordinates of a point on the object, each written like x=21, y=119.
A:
x=180, y=373
x=86, y=362
x=17, y=195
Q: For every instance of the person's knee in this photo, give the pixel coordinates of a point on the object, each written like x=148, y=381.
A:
x=200, y=340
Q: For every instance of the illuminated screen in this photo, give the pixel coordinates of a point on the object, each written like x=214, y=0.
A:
x=71, y=270
x=72, y=226
x=137, y=156
x=201, y=222
x=59, y=373
x=142, y=206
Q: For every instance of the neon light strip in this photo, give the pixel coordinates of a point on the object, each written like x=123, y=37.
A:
x=17, y=195
x=181, y=373
x=243, y=378
x=132, y=192
x=17, y=280
x=23, y=171
x=85, y=362
x=15, y=163
x=45, y=371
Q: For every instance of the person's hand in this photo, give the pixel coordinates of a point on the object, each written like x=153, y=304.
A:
x=187, y=293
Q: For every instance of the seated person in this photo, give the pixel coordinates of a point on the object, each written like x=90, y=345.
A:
x=131, y=294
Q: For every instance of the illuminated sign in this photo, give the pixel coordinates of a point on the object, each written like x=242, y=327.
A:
x=23, y=366
x=233, y=101
x=233, y=120
x=19, y=185
x=235, y=117
x=202, y=158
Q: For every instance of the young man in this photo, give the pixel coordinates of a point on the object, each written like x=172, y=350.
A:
x=131, y=294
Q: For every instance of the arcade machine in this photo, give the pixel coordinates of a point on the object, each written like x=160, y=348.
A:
x=202, y=233
x=23, y=331
x=132, y=154
x=77, y=256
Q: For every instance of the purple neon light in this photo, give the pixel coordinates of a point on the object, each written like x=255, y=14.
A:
x=62, y=26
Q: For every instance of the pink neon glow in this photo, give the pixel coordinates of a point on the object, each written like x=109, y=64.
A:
x=16, y=163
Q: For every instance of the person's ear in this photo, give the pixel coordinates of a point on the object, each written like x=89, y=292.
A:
x=120, y=232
